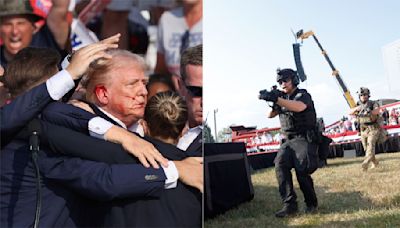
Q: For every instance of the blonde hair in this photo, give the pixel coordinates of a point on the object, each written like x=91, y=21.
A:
x=101, y=72
x=166, y=115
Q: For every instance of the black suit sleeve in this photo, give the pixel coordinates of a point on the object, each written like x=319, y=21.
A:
x=68, y=116
x=17, y=114
x=102, y=181
x=71, y=143
x=77, y=119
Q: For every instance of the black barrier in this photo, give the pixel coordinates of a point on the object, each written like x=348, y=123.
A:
x=227, y=177
x=262, y=160
x=392, y=144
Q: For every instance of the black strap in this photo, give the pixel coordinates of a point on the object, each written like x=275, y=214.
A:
x=98, y=112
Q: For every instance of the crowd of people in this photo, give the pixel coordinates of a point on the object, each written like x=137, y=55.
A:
x=392, y=117
x=263, y=138
x=349, y=123
x=344, y=125
x=88, y=138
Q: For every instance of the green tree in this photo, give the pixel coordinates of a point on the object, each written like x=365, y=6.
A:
x=207, y=136
x=225, y=135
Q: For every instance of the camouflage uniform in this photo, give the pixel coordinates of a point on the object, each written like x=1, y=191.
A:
x=370, y=132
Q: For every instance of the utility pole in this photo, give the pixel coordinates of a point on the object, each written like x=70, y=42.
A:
x=215, y=124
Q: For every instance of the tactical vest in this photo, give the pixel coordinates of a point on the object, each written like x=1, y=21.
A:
x=298, y=122
x=365, y=116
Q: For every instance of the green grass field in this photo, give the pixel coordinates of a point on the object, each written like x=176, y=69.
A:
x=348, y=197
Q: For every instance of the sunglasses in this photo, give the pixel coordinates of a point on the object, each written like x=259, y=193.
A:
x=195, y=91
x=283, y=80
x=364, y=94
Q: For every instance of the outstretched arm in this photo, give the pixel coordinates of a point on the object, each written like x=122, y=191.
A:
x=102, y=181
x=58, y=23
x=25, y=107
x=292, y=105
x=80, y=120
x=65, y=141
x=16, y=115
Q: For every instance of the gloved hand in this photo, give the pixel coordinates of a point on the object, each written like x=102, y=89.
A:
x=276, y=108
x=268, y=96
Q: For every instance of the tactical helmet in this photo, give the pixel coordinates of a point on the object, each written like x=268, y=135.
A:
x=287, y=73
x=17, y=7
x=363, y=90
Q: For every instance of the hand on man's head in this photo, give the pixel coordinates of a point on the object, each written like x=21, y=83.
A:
x=82, y=58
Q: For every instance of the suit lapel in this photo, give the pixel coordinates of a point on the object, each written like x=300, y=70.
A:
x=195, y=148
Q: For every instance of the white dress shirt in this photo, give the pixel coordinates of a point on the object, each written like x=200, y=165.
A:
x=59, y=84
x=188, y=137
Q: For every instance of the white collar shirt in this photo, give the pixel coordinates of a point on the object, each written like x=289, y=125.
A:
x=188, y=137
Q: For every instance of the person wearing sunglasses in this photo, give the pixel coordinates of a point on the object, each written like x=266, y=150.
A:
x=367, y=112
x=192, y=81
x=297, y=116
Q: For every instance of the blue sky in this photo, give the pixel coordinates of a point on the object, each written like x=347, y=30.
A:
x=246, y=41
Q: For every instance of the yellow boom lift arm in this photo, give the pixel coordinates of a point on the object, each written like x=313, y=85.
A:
x=335, y=72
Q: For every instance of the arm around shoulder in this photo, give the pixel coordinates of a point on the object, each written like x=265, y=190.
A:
x=101, y=181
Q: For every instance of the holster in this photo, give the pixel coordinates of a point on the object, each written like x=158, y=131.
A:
x=322, y=141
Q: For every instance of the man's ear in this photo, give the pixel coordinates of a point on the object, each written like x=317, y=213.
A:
x=101, y=94
x=181, y=88
x=36, y=27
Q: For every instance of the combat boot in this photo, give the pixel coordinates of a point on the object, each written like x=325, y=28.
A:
x=287, y=210
x=311, y=209
x=364, y=166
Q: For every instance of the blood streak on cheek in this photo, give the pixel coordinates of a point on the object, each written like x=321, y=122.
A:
x=121, y=107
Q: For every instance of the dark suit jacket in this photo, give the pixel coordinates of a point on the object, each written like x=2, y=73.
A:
x=178, y=207
x=17, y=114
x=65, y=181
x=195, y=149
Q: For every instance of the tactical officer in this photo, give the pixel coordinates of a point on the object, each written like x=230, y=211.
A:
x=298, y=150
x=367, y=113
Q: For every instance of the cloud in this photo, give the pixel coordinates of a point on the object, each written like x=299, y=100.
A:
x=328, y=101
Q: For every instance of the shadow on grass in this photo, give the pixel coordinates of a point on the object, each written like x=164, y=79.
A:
x=336, y=202
x=342, y=162
x=251, y=214
x=260, y=212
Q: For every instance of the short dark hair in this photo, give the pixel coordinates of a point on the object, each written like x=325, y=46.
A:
x=191, y=56
x=162, y=78
x=30, y=67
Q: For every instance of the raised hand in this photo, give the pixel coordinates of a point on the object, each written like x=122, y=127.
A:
x=81, y=59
